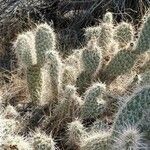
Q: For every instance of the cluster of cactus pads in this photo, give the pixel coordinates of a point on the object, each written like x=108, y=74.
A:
x=83, y=111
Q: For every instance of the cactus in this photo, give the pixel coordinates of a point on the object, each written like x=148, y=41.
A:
x=123, y=34
x=33, y=52
x=106, y=37
x=25, y=51
x=52, y=78
x=129, y=138
x=45, y=41
x=34, y=82
x=108, y=18
x=92, y=32
x=8, y=127
x=74, y=60
x=69, y=76
x=91, y=57
x=133, y=110
x=54, y=85
x=93, y=105
x=43, y=142
x=83, y=81
x=24, y=47
x=15, y=142
x=10, y=112
x=145, y=123
x=99, y=125
x=120, y=64
x=125, y=59
x=76, y=132
x=143, y=43
x=145, y=67
x=144, y=78
x=96, y=141
x=70, y=104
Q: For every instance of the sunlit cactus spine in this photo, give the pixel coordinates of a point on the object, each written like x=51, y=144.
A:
x=41, y=141
x=129, y=138
x=96, y=141
x=93, y=105
x=124, y=34
x=143, y=43
x=45, y=41
x=76, y=131
x=51, y=78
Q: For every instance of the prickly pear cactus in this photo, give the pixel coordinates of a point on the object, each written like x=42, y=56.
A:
x=123, y=34
x=44, y=41
x=15, y=142
x=94, y=105
x=133, y=109
x=143, y=43
x=77, y=96
x=96, y=141
x=76, y=131
x=52, y=78
x=108, y=18
x=43, y=142
x=120, y=64
x=32, y=51
x=129, y=138
x=91, y=57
